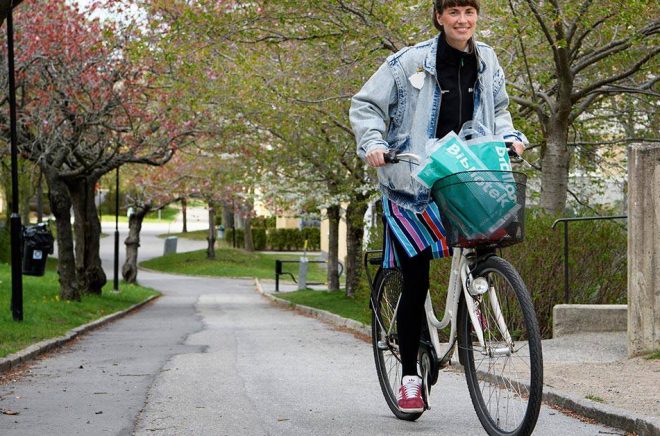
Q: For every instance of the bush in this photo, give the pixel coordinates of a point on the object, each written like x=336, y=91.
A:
x=240, y=237
x=259, y=238
x=313, y=237
x=597, y=265
x=263, y=222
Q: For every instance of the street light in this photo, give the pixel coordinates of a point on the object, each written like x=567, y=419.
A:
x=15, y=219
x=116, y=281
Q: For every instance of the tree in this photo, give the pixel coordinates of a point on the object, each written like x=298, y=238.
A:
x=299, y=47
x=88, y=107
x=5, y=5
x=573, y=61
x=151, y=188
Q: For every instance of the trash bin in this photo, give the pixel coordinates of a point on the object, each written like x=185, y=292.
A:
x=170, y=245
x=221, y=232
x=37, y=245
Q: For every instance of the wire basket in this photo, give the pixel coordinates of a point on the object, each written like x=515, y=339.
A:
x=482, y=208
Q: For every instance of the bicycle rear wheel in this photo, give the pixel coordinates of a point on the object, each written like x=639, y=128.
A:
x=505, y=379
x=386, y=293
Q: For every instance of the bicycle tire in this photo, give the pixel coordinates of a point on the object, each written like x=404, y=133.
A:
x=505, y=383
x=386, y=291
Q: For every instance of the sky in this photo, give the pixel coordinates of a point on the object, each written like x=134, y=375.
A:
x=102, y=15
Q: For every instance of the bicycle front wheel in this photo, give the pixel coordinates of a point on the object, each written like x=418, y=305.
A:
x=385, y=298
x=504, y=377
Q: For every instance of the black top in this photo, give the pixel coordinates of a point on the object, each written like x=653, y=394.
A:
x=457, y=75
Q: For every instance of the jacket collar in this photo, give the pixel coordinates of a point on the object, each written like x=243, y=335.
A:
x=431, y=56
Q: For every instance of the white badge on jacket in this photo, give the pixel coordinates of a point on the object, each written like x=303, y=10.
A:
x=417, y=80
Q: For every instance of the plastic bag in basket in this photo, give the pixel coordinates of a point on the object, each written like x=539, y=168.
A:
x=451, y=155
x=480, y=201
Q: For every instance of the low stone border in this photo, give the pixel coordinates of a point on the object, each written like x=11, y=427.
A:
x=323, y=315
x=579, y=318
x=46, y=345
x=604, y=414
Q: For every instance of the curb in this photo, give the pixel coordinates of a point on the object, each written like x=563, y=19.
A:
x=613, y=416
x=35, y=350
x=323, y=315
x=604, y=414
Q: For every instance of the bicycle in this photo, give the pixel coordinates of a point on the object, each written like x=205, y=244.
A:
x=491, y=318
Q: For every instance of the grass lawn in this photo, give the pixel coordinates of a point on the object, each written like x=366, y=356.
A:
x=196, y=235
x=231, y=262
x=356, y=308
x=46, y=316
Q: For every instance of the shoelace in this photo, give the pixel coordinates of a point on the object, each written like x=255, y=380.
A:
x=411, y=390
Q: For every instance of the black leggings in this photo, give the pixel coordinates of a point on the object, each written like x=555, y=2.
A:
x=410, y=315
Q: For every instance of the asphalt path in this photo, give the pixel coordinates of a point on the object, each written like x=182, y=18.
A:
x=213, y=357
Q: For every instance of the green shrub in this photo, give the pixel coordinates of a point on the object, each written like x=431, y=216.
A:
x=292, y=239
x=313, y=237
x=229, y=237
x=597, y=264
x=259, y=238
x=263, y=222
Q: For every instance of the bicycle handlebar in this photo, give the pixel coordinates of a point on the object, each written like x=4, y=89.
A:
x=393, y=157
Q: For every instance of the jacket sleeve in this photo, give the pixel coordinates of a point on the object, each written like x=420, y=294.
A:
x=503, y=121
x=371, y=111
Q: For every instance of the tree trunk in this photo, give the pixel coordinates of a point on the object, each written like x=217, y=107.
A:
x=210, y=249
x=228, y=221
x=60, y=205
x=555, y=164
x=333, y=248
x=129, y=270
x=354, y=235
x=247, y=228
x=91, y=277
x=184, y=214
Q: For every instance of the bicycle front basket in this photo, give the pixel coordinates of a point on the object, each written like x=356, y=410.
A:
x=482, y=208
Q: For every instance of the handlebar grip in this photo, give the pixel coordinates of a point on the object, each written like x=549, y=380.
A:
x=511, y=151
x=391, y=157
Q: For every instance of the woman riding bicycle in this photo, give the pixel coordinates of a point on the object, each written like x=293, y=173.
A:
x=421, y=93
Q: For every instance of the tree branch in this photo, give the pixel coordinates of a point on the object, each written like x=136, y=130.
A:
x=609, y=80
x=584, y=7
x=615, y=47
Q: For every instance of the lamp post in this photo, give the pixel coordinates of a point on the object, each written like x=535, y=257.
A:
x=15, y=219
x=233, y=224
x=116, y=278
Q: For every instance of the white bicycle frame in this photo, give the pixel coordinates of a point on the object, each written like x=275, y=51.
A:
x=459, y=280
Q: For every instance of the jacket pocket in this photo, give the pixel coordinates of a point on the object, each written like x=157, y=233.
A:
x=400, y=144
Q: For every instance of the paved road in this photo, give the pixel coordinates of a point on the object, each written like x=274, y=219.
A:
x=213, y=357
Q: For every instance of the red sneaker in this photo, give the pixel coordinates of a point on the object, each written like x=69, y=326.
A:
x=410, y=395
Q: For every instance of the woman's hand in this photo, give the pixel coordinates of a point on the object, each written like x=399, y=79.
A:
x=376, y=158
x=518, y=147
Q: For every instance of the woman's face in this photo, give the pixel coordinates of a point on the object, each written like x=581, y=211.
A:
x=459, y=24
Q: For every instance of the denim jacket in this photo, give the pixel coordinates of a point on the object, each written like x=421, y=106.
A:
x=395, y=110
